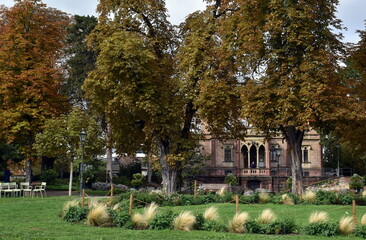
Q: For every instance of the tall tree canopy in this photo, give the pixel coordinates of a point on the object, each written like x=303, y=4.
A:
x=30, y=42
x=352, y=134
x=289, y=56
x=80, y=60
x=149, y=87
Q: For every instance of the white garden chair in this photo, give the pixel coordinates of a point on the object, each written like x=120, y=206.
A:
x=40, y=189
x=25, y=187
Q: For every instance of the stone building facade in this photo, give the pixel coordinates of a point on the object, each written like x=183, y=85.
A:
x=254, y=161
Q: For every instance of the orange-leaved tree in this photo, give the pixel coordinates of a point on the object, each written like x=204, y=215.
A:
x=30, y=42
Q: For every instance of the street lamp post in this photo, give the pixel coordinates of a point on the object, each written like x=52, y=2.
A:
x=278, y=154
x=82, y=137
x=337, y=146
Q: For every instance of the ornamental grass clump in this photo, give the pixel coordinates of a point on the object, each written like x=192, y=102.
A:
x=263, y=197
x=236, y=225
x=363, y=219
x=68, y=205
x=184, y=221
x=267, y=216
x=287, y=200
x=316, y=217
x=309, y=197
x=98, y=215
x=222, y=191
x=346, y=226
x=211, y=214
x=141, y=221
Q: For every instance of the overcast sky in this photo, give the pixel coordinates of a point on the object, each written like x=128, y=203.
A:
x=351, y=12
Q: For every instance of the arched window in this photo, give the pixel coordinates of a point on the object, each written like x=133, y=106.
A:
x=227, y=157
x=306, y=155
x=253, y=157
x=244, y=152
x=262, y=155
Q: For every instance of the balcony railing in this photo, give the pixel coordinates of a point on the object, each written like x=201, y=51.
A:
x=256, y=172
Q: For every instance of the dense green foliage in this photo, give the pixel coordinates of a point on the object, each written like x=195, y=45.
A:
x=122, y=219
x=356, y=182
x=163, y=220
x=326, y=229
x=75, y=214
x=361, y=231
x=48, y=176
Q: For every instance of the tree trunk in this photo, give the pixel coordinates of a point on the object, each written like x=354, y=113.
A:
x=109, y=154
x=109, y=165
x=71, y=176
x=294, y=138
x=28, y=170
x=168, y=174
x=29, y=157
x=149, y=171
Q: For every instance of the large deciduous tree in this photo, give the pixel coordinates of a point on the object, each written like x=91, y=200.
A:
x=60, y=138
x=288, y=56
x=30, y=42
x=150, y=88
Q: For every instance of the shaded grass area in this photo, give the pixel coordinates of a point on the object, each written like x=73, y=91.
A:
x=37, y=218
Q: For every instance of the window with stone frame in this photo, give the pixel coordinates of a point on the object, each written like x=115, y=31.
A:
x=228, y=153
x=305, y=154
x=272, y=154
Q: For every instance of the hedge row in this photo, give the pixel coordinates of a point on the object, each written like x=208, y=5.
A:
x=142, y=199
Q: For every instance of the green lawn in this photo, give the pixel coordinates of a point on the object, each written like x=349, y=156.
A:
x=37, y=218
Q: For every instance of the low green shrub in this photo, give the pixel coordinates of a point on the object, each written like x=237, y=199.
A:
x=48, y=176
x=121, y=219
x=325, y=198
x=231, y=180
x=163, y=221
x=360, y=200
x=209, y=198
x=276, y=199
x=200, y=220
x=361, y=231
x=345, y=198
x=285, y=226
x=356, y=182
x=254, y=198
x=326, y=229
x=187, y=200
x=227, y=197
x=75, y=214
x=213, y=226
x=254, y=227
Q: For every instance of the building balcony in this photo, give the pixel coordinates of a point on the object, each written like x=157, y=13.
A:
x=256, y=172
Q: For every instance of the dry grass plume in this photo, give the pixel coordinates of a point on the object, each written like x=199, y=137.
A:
x=222, y=191
x=267, y=216
x=98, y=216
x=263, y=197
x=184, y=221
x=346, y=226
x=211, y=214
x=236, y=225
x=309, y=196
x=287, y=200
x=318, y=217
x=141, y=221
x=363, y=219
